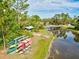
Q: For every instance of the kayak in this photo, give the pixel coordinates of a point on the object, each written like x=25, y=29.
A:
x=24, y=50
x=12, y=42
x=27, y=48
x=17, y=40
x=15, y=45
x=27, y=40
x=23, y=38
x=11, y=50
x=22, y=46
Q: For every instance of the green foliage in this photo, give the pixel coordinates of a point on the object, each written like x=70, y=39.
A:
x=77, y=24
x=24, y=32
x=1, y=0
x=8, y=21
x=58, y=19
x=1, y=42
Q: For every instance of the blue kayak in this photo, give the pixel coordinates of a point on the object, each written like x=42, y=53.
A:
x=16, y=40
x=12, y=42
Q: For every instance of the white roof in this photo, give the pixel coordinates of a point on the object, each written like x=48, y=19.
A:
x=29, y=27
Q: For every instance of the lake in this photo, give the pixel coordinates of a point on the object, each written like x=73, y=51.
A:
x=65, y=46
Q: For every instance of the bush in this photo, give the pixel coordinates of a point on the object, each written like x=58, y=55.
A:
x=14, y=35
x=24, y=32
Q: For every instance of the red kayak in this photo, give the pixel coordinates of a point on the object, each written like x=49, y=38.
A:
x=24, y=44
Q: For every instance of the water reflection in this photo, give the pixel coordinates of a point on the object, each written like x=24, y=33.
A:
x=66, y=34
x=66, y=45
x=76, y=39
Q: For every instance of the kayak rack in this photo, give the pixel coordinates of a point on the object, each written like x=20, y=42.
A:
x=17, y=40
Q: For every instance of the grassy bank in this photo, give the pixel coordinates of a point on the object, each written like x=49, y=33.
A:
x=42, y=45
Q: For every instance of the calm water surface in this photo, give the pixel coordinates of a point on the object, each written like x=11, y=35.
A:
x=66, y=46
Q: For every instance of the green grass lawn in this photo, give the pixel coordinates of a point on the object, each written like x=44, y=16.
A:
x=43, y=45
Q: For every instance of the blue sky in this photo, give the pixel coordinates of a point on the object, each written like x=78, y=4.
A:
x=48, y=8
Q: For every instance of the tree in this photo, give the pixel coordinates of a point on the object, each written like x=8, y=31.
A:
x=77, y=24
x=61, y=18
x=5, y=8
x=8, y=16
x=20, y=6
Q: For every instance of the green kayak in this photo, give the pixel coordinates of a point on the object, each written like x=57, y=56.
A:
x=11, y=50
x=15, y=45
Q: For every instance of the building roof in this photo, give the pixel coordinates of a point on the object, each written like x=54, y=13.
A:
x=29, y=27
